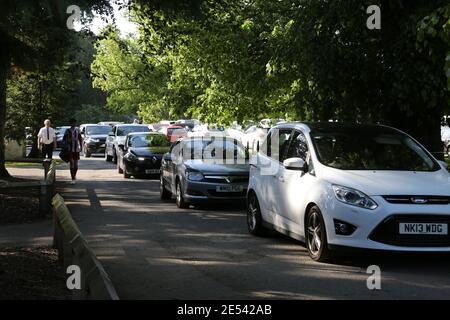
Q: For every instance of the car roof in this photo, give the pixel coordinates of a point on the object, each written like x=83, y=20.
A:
x=336, y=126
x=146, y=133
x=131, y=124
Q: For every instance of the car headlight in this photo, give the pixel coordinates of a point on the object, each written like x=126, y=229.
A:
x=354, y=197
x=195, y=176
x=89, y=140
x=130, y=157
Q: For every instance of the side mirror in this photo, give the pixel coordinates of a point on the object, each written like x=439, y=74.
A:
x=167, y=157
x=295, y=164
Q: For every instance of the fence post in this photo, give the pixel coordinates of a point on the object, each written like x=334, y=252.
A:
x=44, y=200
x=46, y=163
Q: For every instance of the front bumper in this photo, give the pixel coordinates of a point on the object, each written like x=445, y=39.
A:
x=139, y=167
x=96, y=147
x=378, y=229
x=206, y=191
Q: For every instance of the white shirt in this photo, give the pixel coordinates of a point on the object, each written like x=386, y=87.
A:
x=47, y=135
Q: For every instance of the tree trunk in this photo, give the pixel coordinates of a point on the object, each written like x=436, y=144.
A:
x=4, y=70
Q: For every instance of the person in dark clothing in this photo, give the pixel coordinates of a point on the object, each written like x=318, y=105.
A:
x=73, y=141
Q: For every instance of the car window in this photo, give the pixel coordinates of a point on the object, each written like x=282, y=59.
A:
x=93, y=130
x=124, y=130
x=148, y=141
x=276, y=144
x=371, y=150
x=213, y=148
x=298, y=147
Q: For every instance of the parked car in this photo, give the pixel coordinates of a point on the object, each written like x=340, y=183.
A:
x=117, y=136
x=141, y=154
x=60, y=135
x=109, y=123
x=253, y=137
x=337, y=185
x=188, y=124
x=173, y=132
x=94, y=139
x=204, y=169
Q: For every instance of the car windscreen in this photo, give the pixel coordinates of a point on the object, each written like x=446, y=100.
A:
x=148, y=141
x=213, y=148
x=371, y=150
x=93, y=130
x=124, y=130
x=171, y=131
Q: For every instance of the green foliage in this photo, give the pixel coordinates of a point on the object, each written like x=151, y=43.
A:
x=307, y=60
x=89, y=113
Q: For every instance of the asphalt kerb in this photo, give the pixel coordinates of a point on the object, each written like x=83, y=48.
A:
x=73, y=249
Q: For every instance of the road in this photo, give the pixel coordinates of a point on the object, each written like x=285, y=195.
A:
x=153, y=250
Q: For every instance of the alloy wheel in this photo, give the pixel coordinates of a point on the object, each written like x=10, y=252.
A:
x=315, y=232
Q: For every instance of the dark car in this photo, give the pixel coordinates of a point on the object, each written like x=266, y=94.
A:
x=117, y=137
x=203, y=169
x=141, y=154
x=94, y=138
x=60, y=131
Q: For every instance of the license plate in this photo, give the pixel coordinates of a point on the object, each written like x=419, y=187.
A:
x=102, y=145
x=423, y=228
x=152, y=171
x=229, y=188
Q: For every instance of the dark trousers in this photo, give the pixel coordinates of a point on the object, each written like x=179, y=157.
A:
x=47, y=151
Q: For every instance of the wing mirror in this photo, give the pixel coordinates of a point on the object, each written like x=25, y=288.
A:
x=295, y=164
x=167, y=157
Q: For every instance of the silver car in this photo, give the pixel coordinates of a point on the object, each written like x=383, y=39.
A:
x=117, y=137
x=204, y=169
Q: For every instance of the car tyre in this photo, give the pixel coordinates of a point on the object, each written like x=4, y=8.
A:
x=254, y=217
x=87, y=154
x=125, y=174
x=108, y=158
x=316, y=236
x=114, y=157
x=181, y=203
x=165, y=194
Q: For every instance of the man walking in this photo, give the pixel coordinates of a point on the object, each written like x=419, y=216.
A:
x=73, y=141
x=47, y=140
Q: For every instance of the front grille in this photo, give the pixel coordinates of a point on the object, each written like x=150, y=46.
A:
x=388, y=231
x=150, y=163
x=226, y=178
x=408, y=199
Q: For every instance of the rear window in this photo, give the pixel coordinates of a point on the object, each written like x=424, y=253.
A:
x=124, y=130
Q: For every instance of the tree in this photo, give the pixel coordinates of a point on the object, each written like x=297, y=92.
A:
x=306, y=60
x=33, y=36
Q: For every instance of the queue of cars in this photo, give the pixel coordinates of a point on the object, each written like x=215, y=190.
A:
x=331, y=185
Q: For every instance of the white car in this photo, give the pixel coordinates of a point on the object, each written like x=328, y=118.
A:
x=253, y=137
x=335, y=185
